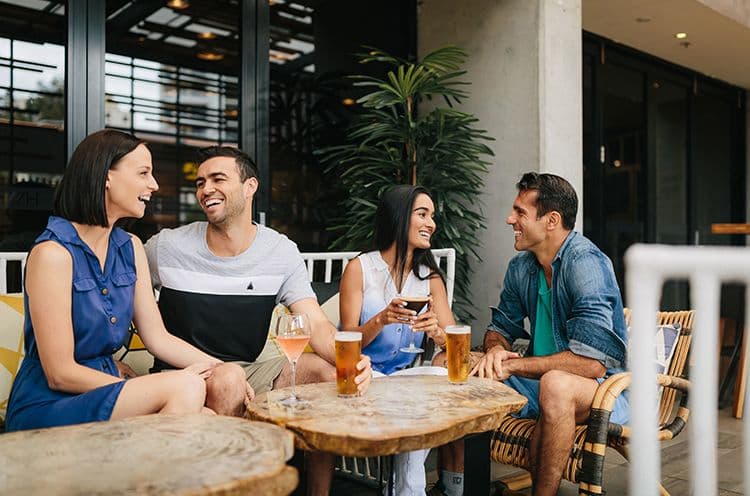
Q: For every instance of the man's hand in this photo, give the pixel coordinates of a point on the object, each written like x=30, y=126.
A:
x=124, y=370
x=491, y=364
x=365, y=376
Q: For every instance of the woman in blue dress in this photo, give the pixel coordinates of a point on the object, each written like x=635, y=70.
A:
x=85, y=281
x=371, y=302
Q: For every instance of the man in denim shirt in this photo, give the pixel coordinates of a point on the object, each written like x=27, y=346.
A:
x=567, y=289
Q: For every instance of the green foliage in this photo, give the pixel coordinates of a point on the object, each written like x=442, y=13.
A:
x=390, y=143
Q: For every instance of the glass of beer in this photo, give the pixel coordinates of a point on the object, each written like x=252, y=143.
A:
x=458, y=345
x=348, y=350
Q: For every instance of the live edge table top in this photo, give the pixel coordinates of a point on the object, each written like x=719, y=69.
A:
x=150, y=455
x=397, y=414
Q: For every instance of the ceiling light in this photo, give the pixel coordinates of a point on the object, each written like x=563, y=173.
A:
x=178, y=4
x=206, y=35
x=348, y=101
x=680, y=36
x=210, y=56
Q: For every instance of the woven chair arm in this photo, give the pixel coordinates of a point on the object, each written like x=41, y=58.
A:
x=610, y=389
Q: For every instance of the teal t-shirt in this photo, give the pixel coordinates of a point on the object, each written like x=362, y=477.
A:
x=544, y=342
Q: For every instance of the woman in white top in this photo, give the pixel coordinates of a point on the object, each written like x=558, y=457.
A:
x=371, y=301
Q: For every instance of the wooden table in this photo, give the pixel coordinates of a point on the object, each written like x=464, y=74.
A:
x=398, y=414
x=153, y=454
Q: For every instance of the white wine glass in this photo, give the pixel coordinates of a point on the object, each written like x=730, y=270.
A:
x=293, y=335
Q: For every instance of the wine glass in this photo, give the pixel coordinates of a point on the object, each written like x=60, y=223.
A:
x=416, y=303
x=293, y=334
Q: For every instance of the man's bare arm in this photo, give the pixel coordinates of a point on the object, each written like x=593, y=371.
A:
x=567, y=361
x=492, y=339
x=323, y=331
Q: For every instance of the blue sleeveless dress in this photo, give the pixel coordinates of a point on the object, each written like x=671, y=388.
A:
x=102, y=308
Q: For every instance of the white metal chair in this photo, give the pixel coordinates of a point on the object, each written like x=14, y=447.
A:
x=368, y=470
x=706, y=267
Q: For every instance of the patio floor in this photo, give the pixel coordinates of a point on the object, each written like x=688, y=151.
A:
x=675, y=467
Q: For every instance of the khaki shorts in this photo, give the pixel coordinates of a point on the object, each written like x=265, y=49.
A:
x=261, y=375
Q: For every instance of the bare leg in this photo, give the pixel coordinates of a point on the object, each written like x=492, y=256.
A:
x=319, y=473
x=451, y=457
x=225, y=390
x=175, y=391
x=564, y=400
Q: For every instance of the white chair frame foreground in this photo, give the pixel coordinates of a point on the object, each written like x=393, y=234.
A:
x=647, y=268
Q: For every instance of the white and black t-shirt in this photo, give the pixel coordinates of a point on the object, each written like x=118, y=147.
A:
x=223, y=305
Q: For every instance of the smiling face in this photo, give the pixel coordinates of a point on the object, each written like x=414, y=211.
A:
x=422, y=222
x=130, y=183
x=530, y=233
x=221, y=194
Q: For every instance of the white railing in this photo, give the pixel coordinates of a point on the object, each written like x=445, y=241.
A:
x=647, y=268
x=328, y=258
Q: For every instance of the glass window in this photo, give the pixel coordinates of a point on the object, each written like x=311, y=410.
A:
x=312, y=49
x=32, y=117
x=172, y=80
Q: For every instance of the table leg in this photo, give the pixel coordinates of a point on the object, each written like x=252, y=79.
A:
x=477, y=464
x=298, y=462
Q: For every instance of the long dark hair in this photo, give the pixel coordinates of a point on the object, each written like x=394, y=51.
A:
x=392, y=221
x=79, y=196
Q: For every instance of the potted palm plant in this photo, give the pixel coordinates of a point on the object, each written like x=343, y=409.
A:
x=403, y=136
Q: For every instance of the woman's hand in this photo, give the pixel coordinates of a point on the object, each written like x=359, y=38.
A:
x=124, y=370
x=365, y=375
x=428, y=323
x=396, y=313
x=203, y=369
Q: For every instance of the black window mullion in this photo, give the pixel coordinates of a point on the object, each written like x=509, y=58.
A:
x=84, y=74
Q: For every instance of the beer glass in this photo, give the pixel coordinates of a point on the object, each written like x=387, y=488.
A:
x=348, y=350
x=458, y=345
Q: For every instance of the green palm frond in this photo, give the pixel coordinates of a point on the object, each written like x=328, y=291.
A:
x=390, y=142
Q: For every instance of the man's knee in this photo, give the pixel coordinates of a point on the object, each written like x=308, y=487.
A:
x=555, y=388
x=227, y=383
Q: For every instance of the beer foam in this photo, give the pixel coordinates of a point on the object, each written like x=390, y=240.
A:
x=458, y=329
x=348, y=336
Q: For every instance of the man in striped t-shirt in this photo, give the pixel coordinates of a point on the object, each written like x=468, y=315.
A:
x=219, y=282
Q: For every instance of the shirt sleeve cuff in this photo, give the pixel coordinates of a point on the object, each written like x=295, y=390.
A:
x=590, y=352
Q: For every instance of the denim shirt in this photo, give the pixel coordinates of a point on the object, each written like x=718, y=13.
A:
x=587, y=315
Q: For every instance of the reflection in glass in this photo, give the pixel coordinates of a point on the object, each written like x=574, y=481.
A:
x=312, y=47
x=32, y=118
x=159, y=88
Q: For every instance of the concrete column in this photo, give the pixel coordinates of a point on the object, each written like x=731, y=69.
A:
x=525, y=70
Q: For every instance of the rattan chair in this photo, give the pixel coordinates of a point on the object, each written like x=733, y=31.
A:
x=510, y=442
